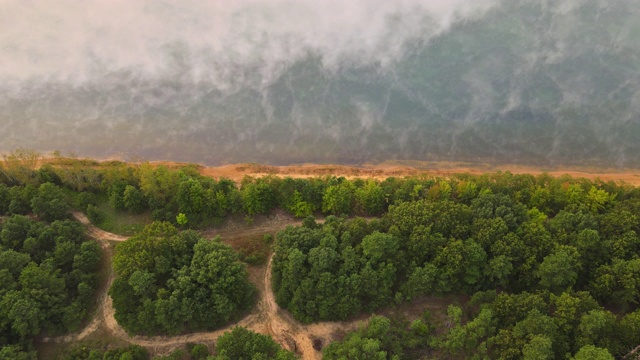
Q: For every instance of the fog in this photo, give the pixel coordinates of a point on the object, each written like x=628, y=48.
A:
x=282, y=81
x=79, y=41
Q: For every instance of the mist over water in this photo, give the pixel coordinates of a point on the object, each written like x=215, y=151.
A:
x=285, y=81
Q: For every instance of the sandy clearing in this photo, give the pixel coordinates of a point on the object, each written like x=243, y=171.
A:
x=414, y=168
x=383, y=170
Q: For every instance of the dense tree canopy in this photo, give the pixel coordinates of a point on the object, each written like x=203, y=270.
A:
x=462, y=239
x=47, y=279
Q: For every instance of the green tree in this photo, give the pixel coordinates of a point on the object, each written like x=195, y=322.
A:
x=559, y=270
x=597, y=327
x=538, y=348
x=133, y=199
x=385, y=338
x=596, y=199
x=628, y=330
x=300, y=208
x=468, y=337
x=116, y=195
x=199, y=352
x=191, y=198
x=370, y=199
x=159, y=183
x=181, y=219
x=94, y=214
x=50, y=203
x=21, y=198
x=355, y=347
x=217, y=280
x=616, y=283
x=24, y=315
x=590, y=352
x=339, y=199
x=154, y=249
x=15, y=231
x=379, y=247
x=13, y=352
x=87, y=259
x=257, y=198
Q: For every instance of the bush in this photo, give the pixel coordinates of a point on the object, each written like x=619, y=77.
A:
x=267, y=239
x=94, y=214
x=241, y=343
x=254, y=250
x=199, y=352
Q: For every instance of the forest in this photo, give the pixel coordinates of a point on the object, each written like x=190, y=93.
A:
x=532, y=267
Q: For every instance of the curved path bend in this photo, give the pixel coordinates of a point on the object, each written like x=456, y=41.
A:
x=266, y=317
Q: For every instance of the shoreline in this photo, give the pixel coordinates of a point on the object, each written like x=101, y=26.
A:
x=383, y=170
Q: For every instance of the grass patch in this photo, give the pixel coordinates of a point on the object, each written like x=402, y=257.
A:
x=99, y=339
x=121, y=222
x=252, y=249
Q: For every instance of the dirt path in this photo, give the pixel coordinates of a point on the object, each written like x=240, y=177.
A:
x=266, y=317
x=104, y=311
x=635, y=352
x=94, y=232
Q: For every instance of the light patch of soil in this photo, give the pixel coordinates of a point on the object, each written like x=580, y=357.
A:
x=380, y=171
x=414, y=168
x=93, y=231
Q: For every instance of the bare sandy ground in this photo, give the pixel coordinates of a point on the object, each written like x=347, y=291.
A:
x=266, y=317
x=396, y=168
x=399, y=169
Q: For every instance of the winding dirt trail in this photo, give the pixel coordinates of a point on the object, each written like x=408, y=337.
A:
x=266, y=317
x=94, y=232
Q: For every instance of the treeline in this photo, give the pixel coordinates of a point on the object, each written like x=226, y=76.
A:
x=47, y=201
x=48, y=271
x=170, y=282
x=166, y=192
